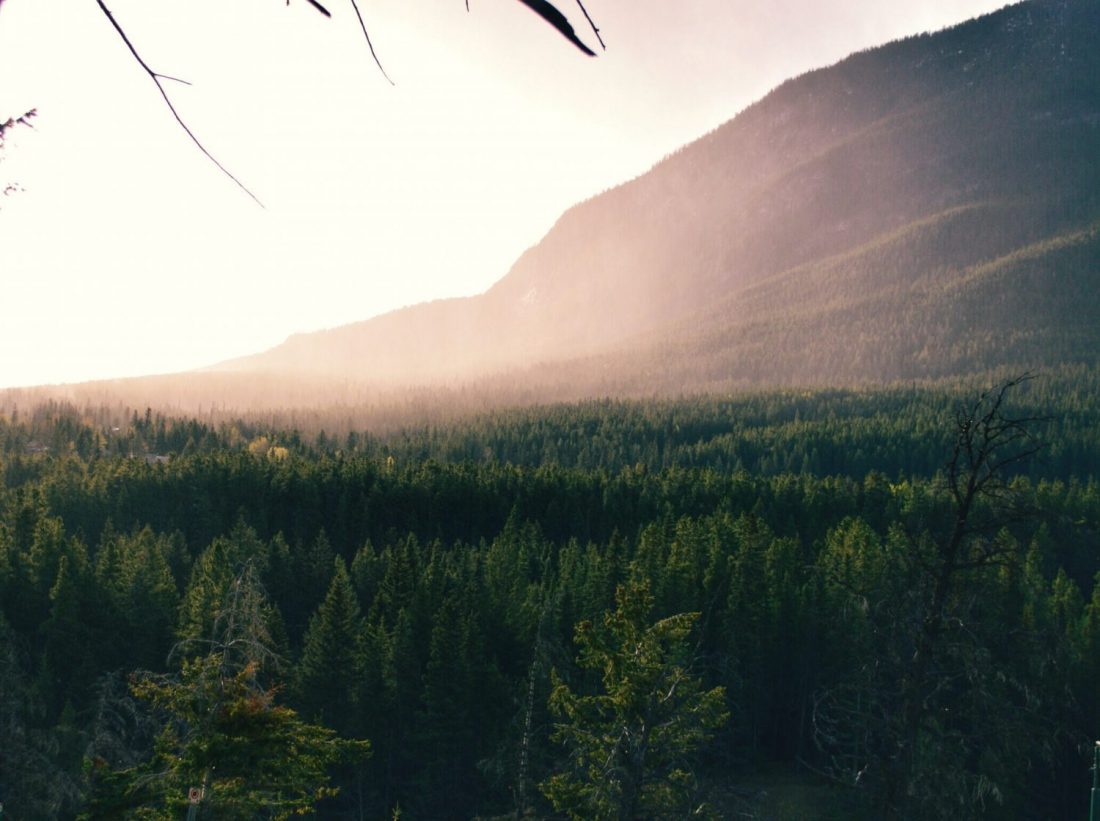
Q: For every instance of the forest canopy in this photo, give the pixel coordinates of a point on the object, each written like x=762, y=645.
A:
x=426, y=590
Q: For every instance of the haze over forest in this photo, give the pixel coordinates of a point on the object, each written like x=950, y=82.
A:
x=376, y=196
x=765, y=484
x=925, y=209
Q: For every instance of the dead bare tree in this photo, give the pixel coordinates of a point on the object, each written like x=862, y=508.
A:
x=932, y=664
x=240, y=634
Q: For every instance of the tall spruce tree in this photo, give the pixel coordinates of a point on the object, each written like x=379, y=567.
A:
x=328, y=675
x=226, y=740
x=630, y=745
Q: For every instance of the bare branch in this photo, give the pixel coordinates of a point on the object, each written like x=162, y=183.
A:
x=156, y=78
x=12, y=122
x=317, y=6
x=173, y=79
x=370, y=45
x=549, y=13
x=987, y=441
x=591, y=22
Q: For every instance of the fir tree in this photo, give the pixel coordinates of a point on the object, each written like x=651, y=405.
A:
x=225, y=737
x=331, y=665
x=629, y=745
x=246, y=755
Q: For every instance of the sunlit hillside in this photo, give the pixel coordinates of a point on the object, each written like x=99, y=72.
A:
x=766, y=485
x=927, y=209
x=923, y=209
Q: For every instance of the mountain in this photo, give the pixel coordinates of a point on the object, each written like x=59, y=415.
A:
x=927, y=208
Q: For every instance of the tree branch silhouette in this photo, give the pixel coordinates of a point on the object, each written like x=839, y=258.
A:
x=543, y=8
x=317, y=6
x=12, y=122
x=550, y=13
x=156, y=78
x=591, y=22
x=370, y=45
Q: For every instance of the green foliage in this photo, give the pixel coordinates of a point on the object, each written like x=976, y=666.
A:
x=212, y=578
x=331, y=667
x=226, y=736
x=421, y=603
x=223, y=732
x=35, y=780
x=631, y=745
x=425, y=563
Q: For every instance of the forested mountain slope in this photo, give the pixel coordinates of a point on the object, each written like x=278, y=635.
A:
x=926, y=208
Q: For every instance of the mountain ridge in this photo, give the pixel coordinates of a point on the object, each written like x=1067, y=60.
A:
x=832, y=232
x=949, y=129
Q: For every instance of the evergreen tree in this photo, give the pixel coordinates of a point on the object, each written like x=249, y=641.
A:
x=227, y=738
x=212, y=577
x=225, y=735
x=630, y=744
x=70, y=643
x=330, y=669
x=32, y=784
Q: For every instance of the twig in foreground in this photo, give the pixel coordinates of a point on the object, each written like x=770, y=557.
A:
x=592, y=23
x=156, y=78
x=370, y=45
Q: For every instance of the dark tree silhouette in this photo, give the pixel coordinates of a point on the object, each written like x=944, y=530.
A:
x=903, y=726
x=546, y=10
x=6, y=126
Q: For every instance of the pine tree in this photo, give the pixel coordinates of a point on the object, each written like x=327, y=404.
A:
x=32, y=785
x=453, y=730
x=629, y=745
x=225, y=736
x=331, y=665
x=68, y=636
x=151, y=597
x=212, y=576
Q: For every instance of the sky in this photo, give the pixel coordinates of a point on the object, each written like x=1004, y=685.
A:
x=124, y=251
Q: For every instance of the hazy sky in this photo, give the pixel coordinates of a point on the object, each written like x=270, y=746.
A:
x=128, y=253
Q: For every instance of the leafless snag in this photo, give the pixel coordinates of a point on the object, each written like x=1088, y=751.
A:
x=877, y=727
x=240, y=635
x=987, y=443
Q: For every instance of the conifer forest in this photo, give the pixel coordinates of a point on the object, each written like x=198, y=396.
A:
x=765, y=485
x=883, y=599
